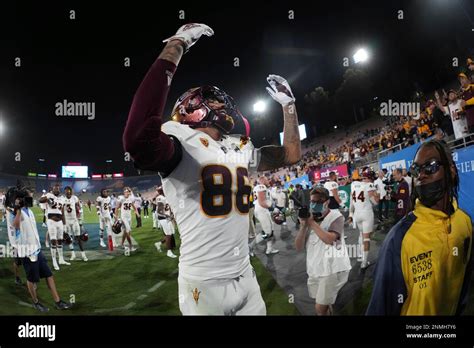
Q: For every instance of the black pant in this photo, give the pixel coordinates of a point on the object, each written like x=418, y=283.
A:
x=145, y=211
x=383, y=202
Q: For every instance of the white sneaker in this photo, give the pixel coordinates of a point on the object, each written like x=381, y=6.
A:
x=55, y=265
x=252, y=254
x=158, y=246
x=73, y=257
x=271, y=251
x=84, y=258
x=64, y=262
x=102, y=244
x=44, y=225
x=46, y=244
x=170, y=254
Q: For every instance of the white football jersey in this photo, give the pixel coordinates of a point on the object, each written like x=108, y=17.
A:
x=126, y=206
x=2, y=202
x=262, y=188
x=209, y=194
x=55, y=204
x=360, y=195
x=331, y=185
x=70, y=207
x=104, y=205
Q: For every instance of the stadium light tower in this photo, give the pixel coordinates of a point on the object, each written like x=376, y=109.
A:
x=361, y=56
x=259, y=107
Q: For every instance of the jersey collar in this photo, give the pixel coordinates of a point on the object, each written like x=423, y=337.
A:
x=432, y=215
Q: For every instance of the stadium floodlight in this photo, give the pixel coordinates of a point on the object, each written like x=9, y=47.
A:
x=2, y=127
x=260, y=106
x=40, y=159
x=108, y=161
x=361, y=56
x=335, y=126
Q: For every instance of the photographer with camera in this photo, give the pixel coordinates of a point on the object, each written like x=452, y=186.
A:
x=21, y=222
x=327, y=260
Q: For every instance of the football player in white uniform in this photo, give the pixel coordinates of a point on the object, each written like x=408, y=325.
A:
x=263, y=205
x=125, y=206
x=363, y=197
x=72, y=215
x=165, y=220
x=205, y=175
x=103, y=211
x=332, y=186
x=2, y=206
x=55, y=222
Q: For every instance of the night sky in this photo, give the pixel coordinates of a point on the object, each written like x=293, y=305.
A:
x=81, y=60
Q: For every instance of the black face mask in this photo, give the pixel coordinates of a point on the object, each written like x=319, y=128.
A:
x=430, y=194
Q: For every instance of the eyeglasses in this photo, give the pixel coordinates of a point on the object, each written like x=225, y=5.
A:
x=428, y=168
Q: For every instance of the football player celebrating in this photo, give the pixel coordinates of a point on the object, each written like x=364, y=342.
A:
x=55, y=223
x=125, y=207
x=165, y=220
x=207, y=191
x=263, y=204
x=72, y=215
x=103, y=211
x=363, y=197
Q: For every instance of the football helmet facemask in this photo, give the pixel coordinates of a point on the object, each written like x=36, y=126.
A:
x=193, y=108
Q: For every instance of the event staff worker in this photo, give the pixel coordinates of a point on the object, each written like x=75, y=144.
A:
x=425, y=263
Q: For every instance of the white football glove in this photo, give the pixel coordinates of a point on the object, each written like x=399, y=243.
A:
x=280, y=90
x=190, y=33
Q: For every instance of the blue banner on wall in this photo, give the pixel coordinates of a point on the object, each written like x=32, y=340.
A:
x=303, y=180
x=464, y=160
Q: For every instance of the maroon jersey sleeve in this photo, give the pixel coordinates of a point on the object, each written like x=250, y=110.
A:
x=150, y=148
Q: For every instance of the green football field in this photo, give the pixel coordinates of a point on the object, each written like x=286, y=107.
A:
x=144, y=283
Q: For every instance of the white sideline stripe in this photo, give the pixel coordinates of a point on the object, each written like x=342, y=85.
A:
x=174, y=272
x=156, y=286
x=108, y=310
x=141, y=297
x=128, y=306
x=25, y=304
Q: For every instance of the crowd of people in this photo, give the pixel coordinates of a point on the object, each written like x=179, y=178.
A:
x=448, y=115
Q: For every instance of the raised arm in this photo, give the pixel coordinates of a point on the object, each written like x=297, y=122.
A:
x=150, y=148
x=272, y=157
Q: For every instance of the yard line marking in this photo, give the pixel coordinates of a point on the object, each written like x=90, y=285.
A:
x=156, y=286
x=25, y=304
x=128, y=306
x=174, y=272
x=141, y=297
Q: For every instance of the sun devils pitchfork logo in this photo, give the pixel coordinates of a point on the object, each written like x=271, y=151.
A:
x=196, y=294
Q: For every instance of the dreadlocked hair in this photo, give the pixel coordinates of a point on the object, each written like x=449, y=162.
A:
x=451, y=183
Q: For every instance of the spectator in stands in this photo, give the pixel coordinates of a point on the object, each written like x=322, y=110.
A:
x=401, y=197
x=442, y=124
x=454, y=110
x=467, y=96
x=470, y=66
